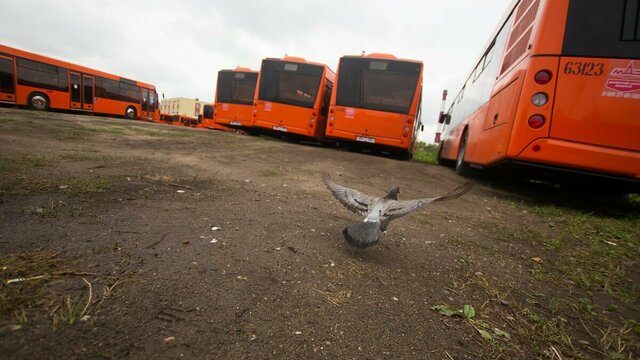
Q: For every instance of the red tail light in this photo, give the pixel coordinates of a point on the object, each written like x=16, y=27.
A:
x=536, y=121
x=542, y=77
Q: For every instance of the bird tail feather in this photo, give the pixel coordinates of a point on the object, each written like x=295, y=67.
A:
x=456, y=193
x=363, y=234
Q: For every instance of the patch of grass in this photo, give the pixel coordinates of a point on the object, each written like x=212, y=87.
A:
x=595, y=252
x=21, y=163
x=268, y=173
x=49, y=211
x=109, y=131
x=36, y=268
x=87, y=185
x=427, y=153
x=163, y=133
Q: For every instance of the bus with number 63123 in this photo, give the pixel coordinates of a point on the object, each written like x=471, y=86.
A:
x=554, y=94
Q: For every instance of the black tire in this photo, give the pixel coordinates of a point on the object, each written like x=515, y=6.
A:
x=439, y=158
x=130, y=113
x=462, y=167
x=403, y=155
x=38, y=101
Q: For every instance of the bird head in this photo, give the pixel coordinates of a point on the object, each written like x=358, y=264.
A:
x=393, y=193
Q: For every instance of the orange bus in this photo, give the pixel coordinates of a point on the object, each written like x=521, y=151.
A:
x=169, y=119
x=43, y=83
x=553, y=93
x=234, y=97
x=377, y=102
x=292, y=96
x=209, y=121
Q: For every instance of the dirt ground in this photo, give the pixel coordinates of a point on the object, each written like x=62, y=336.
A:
x=108, y=250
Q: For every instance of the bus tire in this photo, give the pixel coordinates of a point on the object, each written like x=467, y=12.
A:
x=439, y=158
x=38, y=101
x=403, y=155
x=462, y=167
x=130, y=113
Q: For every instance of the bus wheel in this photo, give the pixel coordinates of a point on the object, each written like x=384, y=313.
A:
x=130, y=113
x=439, y=158
x=403, y=155
x=38, y=101
x=462, y=167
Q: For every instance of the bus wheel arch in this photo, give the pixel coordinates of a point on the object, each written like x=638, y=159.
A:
x=462, y=167
x=38, y=101
x=439, y=159
x=130, y=113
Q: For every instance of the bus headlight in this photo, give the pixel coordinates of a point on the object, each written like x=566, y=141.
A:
x=539, y=99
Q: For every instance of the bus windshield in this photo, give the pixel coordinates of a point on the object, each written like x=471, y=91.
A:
x=614, y=33
x=289, y=83
x=236, y=87
x=376, y=84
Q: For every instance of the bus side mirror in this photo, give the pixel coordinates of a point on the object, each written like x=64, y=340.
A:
x=444, y=118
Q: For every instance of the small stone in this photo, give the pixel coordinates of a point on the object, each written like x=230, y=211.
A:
x=169, y=339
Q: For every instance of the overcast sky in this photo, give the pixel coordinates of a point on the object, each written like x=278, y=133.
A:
x=179, y=46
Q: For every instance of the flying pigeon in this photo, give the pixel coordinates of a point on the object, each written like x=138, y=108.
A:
x=379, y=212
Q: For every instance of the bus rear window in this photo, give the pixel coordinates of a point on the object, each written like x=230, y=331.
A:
x=377, y=85
x=288, y=83
x=207, y=112
x=236, y=88
x=608, y=29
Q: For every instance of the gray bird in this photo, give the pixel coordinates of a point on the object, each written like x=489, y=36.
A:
x=379, y=212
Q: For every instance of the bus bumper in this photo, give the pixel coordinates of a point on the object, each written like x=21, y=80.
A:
x=403, y=143
x=554, y=159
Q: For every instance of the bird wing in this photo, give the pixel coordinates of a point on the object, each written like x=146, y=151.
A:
x=396, y=209
x=352, y=199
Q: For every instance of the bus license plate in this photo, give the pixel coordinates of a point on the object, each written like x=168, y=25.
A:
x=279, y=128
x=235, y=123
x=366, y=139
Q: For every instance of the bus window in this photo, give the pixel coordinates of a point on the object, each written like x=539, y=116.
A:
x=207, y=112
x=88, y=90
x=236, y=87
x=295, y=84
x=152, y=100
x=377, y=85
x=37, y=74
x=615, y=32
x=6, y=75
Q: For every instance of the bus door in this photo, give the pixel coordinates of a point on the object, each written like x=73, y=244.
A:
x=87, y=93
x=76, y=90
x=7, y=79
x=81, y=91
x=146, y=108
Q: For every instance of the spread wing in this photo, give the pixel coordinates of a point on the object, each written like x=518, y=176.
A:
x=396, y=209
x=352, y=199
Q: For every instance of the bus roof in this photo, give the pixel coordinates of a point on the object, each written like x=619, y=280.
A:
x=382, y=56
x=240, y=69
x=329, y=73
x=66, y=64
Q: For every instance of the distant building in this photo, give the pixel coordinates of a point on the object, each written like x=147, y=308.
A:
x=182, y=106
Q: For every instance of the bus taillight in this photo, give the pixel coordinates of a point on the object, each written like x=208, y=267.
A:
x=536, y=121
x=542, y=77
x=406, y=132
